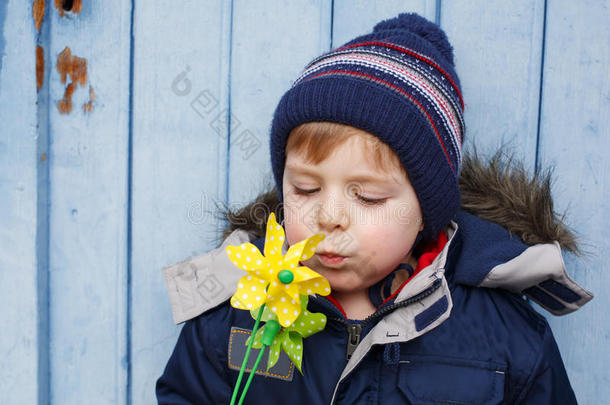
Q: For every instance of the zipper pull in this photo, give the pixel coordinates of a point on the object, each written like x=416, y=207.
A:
x=354, y=331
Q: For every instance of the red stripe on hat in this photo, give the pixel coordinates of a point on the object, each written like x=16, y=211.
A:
x=414, y=54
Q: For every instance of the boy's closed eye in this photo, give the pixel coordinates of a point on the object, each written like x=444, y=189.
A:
x=364, y=200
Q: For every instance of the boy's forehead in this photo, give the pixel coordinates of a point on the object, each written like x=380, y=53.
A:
x=354, y=156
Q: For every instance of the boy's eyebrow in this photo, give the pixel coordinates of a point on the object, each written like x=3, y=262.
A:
x=362, y=177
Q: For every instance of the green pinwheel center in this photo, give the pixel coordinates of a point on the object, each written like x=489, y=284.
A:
x=285, y=276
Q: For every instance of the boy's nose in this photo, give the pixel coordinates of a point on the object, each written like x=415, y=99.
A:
x=331, y=214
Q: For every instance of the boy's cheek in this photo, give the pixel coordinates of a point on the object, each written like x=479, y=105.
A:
x=388, y=239
x=300, y=216
x=294, y=229
x=291, y=234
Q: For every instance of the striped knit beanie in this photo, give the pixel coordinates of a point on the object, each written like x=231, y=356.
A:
x=399, y=84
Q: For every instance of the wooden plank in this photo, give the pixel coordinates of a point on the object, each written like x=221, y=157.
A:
x=88, y=210
x=23, y=215
x=179, y=162
x=497, y=48
x=272, y=42
x=574, y=137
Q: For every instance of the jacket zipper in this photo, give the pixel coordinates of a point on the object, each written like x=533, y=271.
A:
x=354, y=330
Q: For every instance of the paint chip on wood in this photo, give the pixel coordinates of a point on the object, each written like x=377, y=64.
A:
x=39, y=67
x=38, y=13
x=76, y=68
x=68, y=64
x=65, y=104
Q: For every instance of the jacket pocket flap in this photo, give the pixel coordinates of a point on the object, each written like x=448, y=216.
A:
x=427, y=380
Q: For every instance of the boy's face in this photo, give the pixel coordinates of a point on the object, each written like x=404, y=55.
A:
x=370, y=218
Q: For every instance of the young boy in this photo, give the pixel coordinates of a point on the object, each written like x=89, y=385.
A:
x=427, y=300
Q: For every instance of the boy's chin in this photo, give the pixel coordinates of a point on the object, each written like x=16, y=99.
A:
x=342, y=286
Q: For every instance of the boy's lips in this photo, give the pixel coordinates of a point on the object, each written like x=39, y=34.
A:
x=330, y=259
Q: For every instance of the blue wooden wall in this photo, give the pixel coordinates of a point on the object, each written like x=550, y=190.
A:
x=94, y=204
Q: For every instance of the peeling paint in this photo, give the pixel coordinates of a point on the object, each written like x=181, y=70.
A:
x=39, y=67
x=73, y=6
x=68, y=64
x=38, y=13
x=65, y=104
x=88, y=106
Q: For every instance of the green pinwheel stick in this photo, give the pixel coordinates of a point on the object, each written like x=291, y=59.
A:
x=272, y=327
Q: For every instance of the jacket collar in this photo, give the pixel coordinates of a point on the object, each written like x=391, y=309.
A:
x=198, y=284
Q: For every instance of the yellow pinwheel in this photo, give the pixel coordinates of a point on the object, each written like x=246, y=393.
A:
x=275, y=279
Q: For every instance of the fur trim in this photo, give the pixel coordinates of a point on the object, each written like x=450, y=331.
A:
x=252, y=218
x=499, y=190
x=502, y=191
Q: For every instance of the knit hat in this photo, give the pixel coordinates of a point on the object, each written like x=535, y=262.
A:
x=399, y=84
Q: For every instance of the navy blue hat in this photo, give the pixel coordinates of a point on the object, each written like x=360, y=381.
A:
x=399, y=84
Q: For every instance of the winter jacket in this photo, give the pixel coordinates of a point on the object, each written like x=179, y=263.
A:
x=459, y=332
